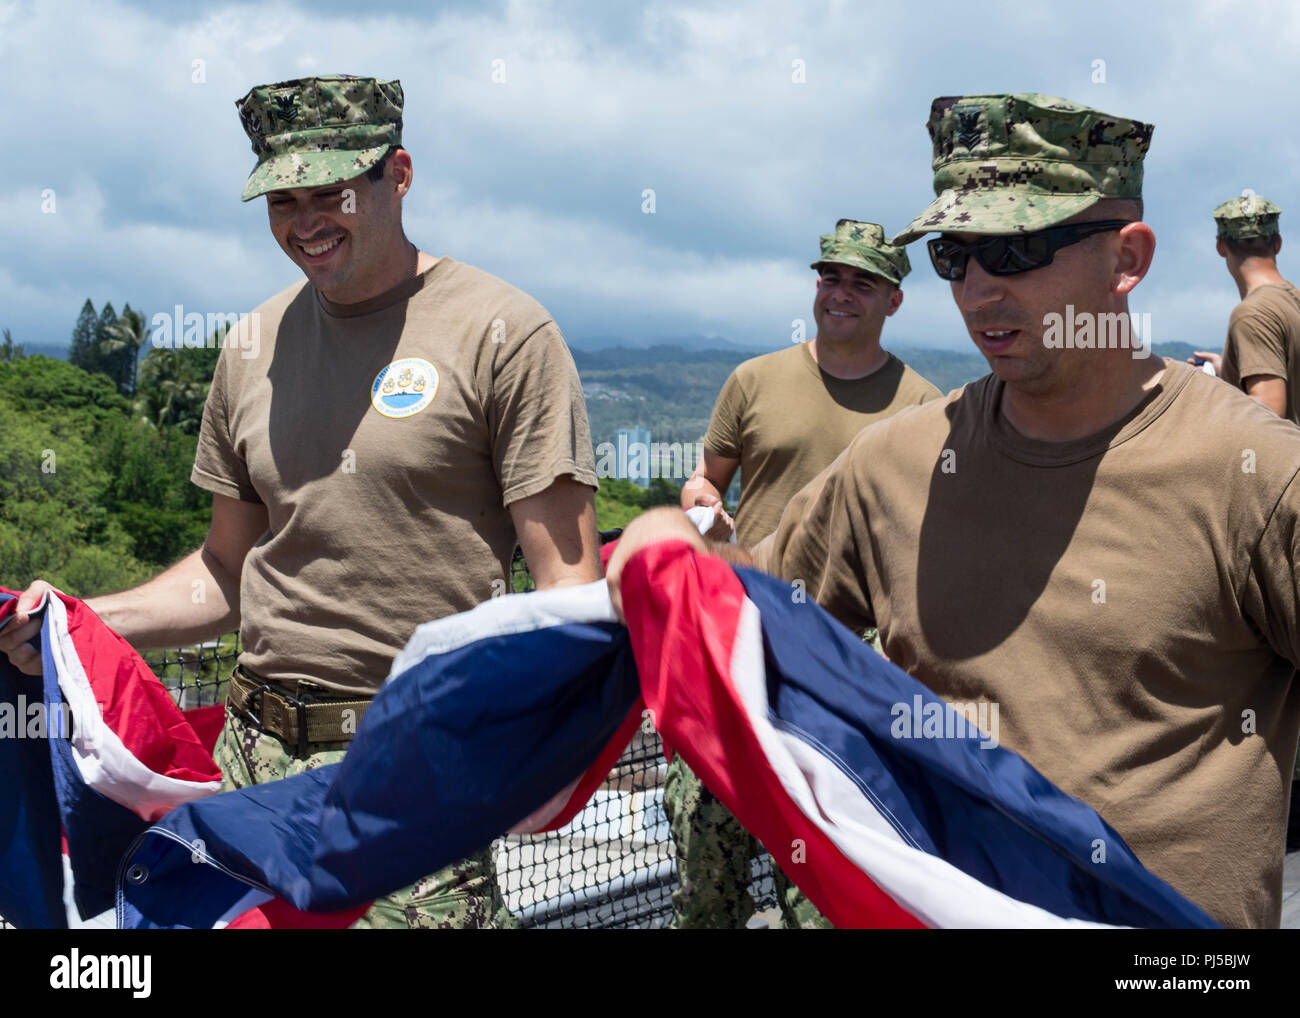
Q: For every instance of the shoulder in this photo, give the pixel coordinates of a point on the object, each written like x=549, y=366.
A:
x=1222, y=419
x=468, y=291
x=913, y=383
x=1265, y=304
x=919, y=433
x=749, y=375
x=778, y=362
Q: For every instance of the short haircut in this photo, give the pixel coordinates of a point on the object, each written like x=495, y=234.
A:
x=1252, y=247
x=376, y=173
x=1121, y=208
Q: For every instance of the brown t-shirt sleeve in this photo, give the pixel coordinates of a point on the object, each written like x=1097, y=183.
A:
x=217, y=466
x=537, y=416
x=1259, y=340
x=1271, y=594
x=723, y=436
x=822, y=540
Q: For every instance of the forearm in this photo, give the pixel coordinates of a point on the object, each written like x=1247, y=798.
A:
x=195, y=600
x=697, y=487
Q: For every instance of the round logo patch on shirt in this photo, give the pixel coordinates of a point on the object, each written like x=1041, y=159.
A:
x=404, y=387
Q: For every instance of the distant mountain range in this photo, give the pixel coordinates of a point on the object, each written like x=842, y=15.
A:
x=670, y=390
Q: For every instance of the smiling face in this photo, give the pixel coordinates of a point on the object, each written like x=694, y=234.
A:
x=346, y=237
x=851, y=305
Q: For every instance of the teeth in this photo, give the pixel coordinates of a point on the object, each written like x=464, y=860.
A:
x=313, y=251
x=1000, y=334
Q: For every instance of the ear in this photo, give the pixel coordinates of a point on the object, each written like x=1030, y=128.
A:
x=1137, y=246
x=895, y=301
x=1277, y=244
x=1221, y=247
x=400, y=171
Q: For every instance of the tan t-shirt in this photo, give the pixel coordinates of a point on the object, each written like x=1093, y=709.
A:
x=387, y=496
x=1264, y=339
x=1129, y=600
x=785, y=419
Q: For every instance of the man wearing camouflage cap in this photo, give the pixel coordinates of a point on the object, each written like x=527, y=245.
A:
x=400, y=421
x=780, y=419
x=1099, y=542
x=1261, y=355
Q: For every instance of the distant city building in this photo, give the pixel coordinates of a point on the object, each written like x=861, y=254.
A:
x=633, y=445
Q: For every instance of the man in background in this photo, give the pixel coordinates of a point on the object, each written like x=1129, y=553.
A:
x=781, y=419
x=1261, y=355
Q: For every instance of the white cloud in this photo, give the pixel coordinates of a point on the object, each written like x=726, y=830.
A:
x=540, y=178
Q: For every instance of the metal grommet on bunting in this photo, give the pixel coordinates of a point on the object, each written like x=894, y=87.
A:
x=137, y=874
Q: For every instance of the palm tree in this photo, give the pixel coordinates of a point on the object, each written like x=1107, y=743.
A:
x=170, y=396
x=124, y=338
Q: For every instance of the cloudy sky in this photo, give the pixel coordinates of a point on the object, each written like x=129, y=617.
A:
x=539, y=178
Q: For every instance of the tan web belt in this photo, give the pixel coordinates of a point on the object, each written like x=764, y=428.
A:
x=270, y=707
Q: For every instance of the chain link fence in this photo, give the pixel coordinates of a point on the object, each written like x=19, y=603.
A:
x=613, y=866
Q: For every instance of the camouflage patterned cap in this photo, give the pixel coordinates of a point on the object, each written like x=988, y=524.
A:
x=316, y=131
x=863, y=246
x=1246, y=217
x=1018, y=163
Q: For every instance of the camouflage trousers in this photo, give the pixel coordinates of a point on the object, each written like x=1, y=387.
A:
x=464, y=895
x=713, y=862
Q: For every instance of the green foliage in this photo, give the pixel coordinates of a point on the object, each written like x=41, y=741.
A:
x=618, y=502
x=173, y=386
x=9, y=350
x=80, y=353
x=53, y=523
x=38, y=383
x=149, y=493
x=91, y=498
x=119, y=349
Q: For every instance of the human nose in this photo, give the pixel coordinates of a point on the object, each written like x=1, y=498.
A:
x=308, y=220
x=839, y=291
x=977, y=288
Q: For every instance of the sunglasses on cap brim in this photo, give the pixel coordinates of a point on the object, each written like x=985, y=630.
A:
x=1013, y=254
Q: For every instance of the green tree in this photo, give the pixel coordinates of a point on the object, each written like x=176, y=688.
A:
x=149, y=495
x=120, y=349
x=52, y=520
x=9, y=350
x=81, y=352
x=661, y=492
x=171, y=391
x=618, y=502
x=39, y=384
x=99, y=360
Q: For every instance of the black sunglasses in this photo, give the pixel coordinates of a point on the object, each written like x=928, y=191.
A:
x=1019, y=252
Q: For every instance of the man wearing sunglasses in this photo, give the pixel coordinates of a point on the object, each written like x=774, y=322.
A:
x=1102, y=545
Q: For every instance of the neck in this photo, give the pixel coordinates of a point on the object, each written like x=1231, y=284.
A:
x=403, y=261
x=1093, y=400
x=1253, y=273
x=849, y=359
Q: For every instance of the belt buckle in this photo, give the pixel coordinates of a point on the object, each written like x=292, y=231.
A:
x=260, y=723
